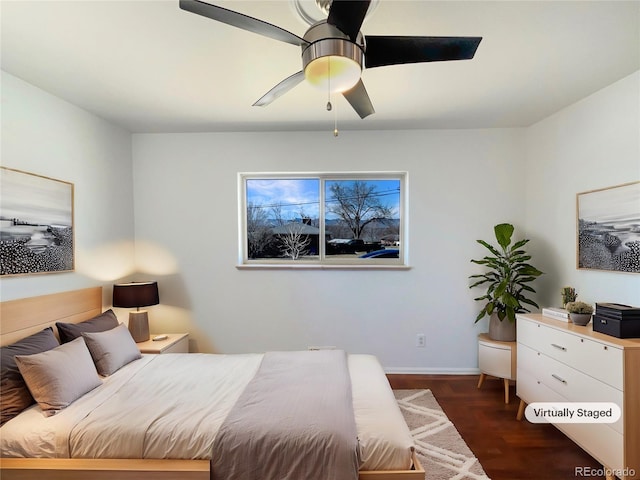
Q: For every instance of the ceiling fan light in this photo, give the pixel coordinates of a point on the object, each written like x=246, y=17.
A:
x=333, y=73
x=333, y=64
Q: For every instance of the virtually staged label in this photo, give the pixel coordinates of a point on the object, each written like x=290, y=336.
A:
x=572, y=412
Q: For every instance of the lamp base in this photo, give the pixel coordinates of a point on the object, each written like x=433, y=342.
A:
x=139, y=326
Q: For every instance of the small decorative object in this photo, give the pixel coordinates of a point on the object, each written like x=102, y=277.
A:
x=36, y=224
x=608, y=237
x=137, y=294
x=621, y=321
x=579, y=312
x=569, y=294
x=507, y=282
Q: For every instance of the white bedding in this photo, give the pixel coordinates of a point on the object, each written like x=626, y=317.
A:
x=146, y=402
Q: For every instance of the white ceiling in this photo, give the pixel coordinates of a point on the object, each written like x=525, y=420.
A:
x=151, y=67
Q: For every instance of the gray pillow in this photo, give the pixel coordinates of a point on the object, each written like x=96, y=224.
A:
x=101, y=323
x=14, y=394
x=112, y=349
x=58, y=377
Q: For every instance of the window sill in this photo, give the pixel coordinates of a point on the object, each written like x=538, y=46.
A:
x=268, y=266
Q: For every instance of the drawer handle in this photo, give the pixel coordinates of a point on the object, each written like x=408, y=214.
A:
x=559, y=347
x=560, y=379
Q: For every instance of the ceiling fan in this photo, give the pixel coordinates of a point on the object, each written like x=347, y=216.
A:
x=334, y=51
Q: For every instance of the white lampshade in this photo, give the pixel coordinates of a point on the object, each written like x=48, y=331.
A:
x=333, y=73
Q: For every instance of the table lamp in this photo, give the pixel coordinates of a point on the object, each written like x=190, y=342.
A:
x=137, y=294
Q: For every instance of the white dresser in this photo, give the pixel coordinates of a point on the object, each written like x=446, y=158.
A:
x=562, y=362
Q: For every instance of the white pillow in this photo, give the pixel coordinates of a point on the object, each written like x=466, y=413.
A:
x=112, y=350
x=60, y=376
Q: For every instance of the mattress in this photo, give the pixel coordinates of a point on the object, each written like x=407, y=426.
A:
x=172, y=406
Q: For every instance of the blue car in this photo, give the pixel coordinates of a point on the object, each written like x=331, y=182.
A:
x=384, y=253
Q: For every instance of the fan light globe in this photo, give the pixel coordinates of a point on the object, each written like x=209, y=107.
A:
x=333, y=73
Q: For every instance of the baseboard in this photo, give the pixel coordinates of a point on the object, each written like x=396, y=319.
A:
x=430, y=371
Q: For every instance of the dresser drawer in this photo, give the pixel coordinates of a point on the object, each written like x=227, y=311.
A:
x=530, y=389
x=528, y=360
x=593, y=358
x=578, y=387
x=599, y=439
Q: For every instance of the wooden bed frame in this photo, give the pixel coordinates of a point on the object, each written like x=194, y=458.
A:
x=23, y=317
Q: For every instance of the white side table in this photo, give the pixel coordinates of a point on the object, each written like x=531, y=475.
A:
x=175, y=343
x=497, y=359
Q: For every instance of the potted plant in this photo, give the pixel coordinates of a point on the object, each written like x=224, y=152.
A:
x=507, y=281
x=569, y=294
x=579, y=312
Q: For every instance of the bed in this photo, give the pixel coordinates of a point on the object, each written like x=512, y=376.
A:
x=382, y=435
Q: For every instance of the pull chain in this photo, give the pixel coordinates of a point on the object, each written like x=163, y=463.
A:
x=329, y=105
x=335, y=122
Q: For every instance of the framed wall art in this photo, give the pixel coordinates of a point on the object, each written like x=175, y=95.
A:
x=36, y=224
x=608, y=228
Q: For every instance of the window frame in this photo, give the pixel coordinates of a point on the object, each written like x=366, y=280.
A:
x=324, y=261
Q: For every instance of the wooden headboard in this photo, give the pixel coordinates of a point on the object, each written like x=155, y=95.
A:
x=23, y=317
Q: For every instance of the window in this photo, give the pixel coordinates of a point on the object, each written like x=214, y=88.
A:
x=332, y=220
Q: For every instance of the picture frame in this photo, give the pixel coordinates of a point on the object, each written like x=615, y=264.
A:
x=608, y=228
x=36, y=224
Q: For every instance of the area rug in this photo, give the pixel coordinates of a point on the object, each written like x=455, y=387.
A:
x=440, y=448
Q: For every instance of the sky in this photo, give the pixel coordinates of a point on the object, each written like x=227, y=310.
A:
x=301, y=195
x=612, y=205
x=35, y=199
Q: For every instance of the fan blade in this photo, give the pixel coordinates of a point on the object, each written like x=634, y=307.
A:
x=382, y=50
x=236, y=19
x=348, y=16
x=280, y=89
x=359, y=100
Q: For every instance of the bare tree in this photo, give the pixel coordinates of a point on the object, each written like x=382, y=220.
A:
x=357, y=204
x=258, y=230
x=294, y=242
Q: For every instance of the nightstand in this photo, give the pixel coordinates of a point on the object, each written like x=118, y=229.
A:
x=497, y=359
x=176, y=343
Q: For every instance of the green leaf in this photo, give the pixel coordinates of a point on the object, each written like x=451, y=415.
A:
x=490, y=247
x=503, y=233
x=480, y=315
x=484, y=297
x=519, y=244
x=510, y=301
x=501, y=288
x=529, y=270
x=528, y=288
x=529, y=302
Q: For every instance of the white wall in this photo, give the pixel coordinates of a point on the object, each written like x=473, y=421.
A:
x=461, y=184
x=592, y=144
x=45, y=135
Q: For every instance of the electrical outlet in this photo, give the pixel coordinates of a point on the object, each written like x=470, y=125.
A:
x=421, y=341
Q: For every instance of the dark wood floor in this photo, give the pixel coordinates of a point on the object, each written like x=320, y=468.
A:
x=506, y=448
